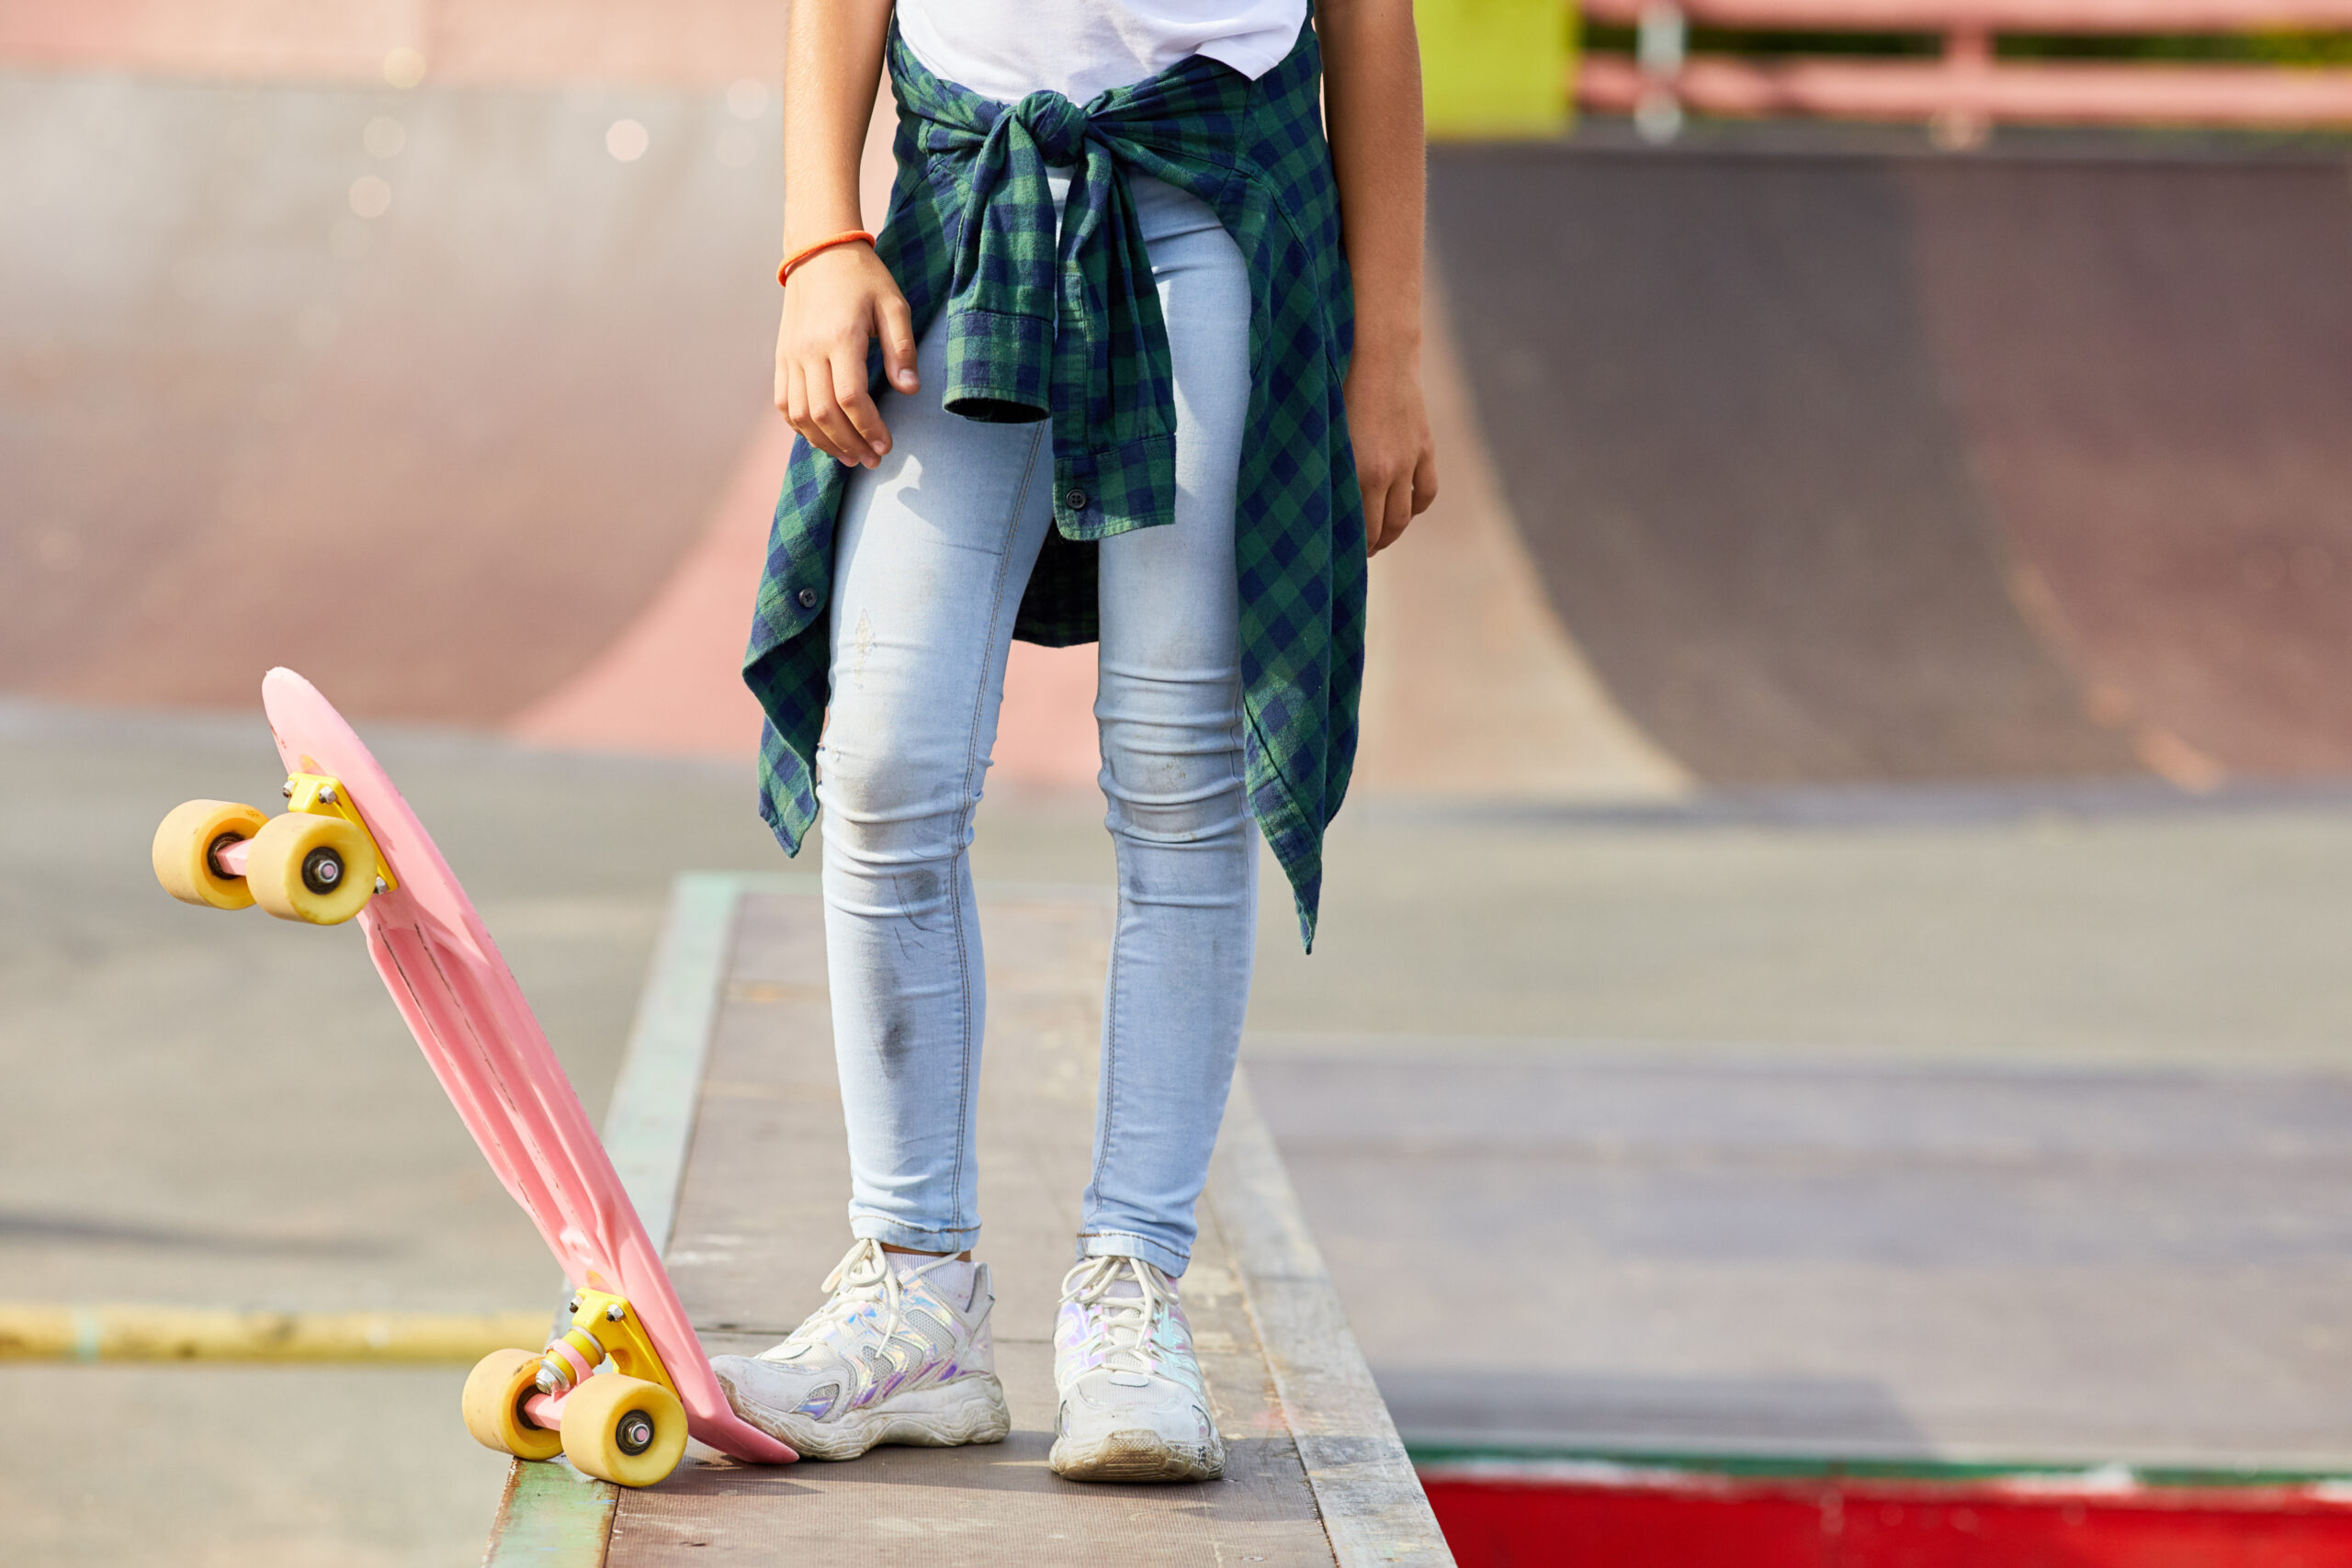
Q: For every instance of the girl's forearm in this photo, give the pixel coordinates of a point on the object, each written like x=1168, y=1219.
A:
x=832, y=66
x=1372, y=95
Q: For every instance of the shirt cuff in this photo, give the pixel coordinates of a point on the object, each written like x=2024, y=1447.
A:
x=999, y=366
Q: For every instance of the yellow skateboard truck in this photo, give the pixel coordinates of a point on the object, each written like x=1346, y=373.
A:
x=602, y=1328
x=316, y=863
x=627, y=1425
x=319, y=795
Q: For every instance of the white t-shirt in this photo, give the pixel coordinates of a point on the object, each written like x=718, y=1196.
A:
x=1006, y=49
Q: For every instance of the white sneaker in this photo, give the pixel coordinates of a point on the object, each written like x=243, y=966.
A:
x=893, y=1358
x=1133, y=1404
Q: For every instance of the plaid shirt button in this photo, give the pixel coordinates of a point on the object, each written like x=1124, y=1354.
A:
x=1076, y=500
x=807, y=597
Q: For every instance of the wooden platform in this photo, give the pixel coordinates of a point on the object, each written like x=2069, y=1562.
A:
x=726, y=1124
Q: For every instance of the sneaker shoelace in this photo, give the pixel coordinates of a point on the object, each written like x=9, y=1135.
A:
x=863, y=1275
x=1122, y=1323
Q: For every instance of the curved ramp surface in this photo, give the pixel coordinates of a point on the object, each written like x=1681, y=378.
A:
x=2154, y=367
x=439, y=455
x=1847, y=467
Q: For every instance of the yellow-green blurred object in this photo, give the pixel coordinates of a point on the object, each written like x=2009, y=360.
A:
x=1494, y=68
x=42, y=1333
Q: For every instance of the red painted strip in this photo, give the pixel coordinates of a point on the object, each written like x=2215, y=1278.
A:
x=1717, y=1522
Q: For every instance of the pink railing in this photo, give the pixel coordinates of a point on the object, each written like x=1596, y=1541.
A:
x=1968, y=89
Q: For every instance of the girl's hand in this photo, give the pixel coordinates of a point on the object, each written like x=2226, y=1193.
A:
x=1395, y=460
x=837, y=300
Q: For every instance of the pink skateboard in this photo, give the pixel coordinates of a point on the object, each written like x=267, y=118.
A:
x=348, y=847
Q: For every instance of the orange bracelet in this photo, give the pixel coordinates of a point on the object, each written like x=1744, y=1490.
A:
x=784, y=273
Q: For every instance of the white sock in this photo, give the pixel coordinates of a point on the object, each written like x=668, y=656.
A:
x=952, y=1278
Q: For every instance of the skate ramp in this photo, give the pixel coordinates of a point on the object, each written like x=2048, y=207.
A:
x=1847, y=467
x=1758, y=467
x=497, y=451
x=438, y=456
x=2153, y=365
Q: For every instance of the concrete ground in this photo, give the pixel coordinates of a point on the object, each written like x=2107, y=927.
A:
x=223, y=1109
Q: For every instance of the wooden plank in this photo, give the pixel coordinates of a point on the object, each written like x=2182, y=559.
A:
x=763, y=1216
x=552, y=1515
x=1372, y=1503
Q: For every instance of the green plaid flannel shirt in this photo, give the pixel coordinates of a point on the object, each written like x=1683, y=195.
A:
x=1066, y=325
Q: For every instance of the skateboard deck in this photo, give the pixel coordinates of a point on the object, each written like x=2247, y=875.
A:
x=483, y=1043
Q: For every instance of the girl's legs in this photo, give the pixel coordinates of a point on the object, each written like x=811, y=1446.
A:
x=934, y=549
x=1169, y=707
x=935, y=546
x=1133, y=1406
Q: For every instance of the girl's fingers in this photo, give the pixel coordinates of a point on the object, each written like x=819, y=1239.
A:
x=1387, y=510
x=1400, y=510
x=796, y=411
x=898, y=344
x=794, y=400
x=1375, y=489
x=803, y=415
x=848, y=372
x=1424, y=482
x=1390, y=523
x=783, y=366
x=841, y=439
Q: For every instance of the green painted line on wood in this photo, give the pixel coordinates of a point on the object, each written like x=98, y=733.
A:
x=552, y=1515
x=651, y=1119
x=1469, y=1457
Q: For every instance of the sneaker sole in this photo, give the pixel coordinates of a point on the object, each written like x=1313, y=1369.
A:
x=1136, y=1456
x=969, y=1410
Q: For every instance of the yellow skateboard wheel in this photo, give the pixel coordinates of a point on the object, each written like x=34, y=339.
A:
x=624, y=1430
x=305, y=867
x=495, y=1390
x=183, y=846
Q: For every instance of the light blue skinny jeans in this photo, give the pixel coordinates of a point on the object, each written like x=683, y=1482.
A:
x=935, y=548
